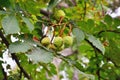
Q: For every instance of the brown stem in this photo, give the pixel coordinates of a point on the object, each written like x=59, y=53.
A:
x=103, y=11
x=4, y=40
x=61, y=19
x=70, y=29
x=46, y=13
x=62, y=30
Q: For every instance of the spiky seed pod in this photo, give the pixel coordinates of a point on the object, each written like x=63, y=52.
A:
x=58, y=41
x=45, y=41
x=61, y=48
x=58, y=14
x=68, y=41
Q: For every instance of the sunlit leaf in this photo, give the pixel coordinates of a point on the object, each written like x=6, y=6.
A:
x=40, y=55
x=31, y=6
x=28, y=23
x=19, y=47
x=96, y=42
x=10, y=24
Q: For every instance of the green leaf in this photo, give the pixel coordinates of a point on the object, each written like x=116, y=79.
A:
x=108, y=19
x=52, y=4
x=32, y=6
x=20, y=47
x=95, y=42
x=113, y=51
x=116, y=22
x=79, y=34
x=28, y=23
x=52, y=69
x=4, y=12
x=10, y=24
x=40, y=55
x=90, y=23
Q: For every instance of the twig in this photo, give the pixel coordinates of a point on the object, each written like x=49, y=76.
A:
x=74, y=2
x=62, y=30
x=20, y=74
x=61, y=19
x=70, y=29
x=103, y=11
x=114, y=31
x=84, y=10
x=91, y=45
x=21, y=68
x=46, y=13
x=4, y=40
x=70, y=62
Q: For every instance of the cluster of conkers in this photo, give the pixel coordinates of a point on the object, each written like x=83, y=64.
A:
x=59, y=43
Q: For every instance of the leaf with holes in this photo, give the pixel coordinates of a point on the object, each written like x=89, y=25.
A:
x=20, y=47
x=10, y=24
x=40, y=55
x=95, y=42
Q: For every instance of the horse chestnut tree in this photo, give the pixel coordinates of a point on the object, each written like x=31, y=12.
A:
x=58, y=40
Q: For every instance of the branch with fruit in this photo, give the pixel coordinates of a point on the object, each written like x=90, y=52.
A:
x=54, y=36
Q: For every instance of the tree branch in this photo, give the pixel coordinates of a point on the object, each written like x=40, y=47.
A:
x=4, y=73
x=4, y=40
x=92, y=45
x=45, y=13
x=114, y=31
x=96, y=55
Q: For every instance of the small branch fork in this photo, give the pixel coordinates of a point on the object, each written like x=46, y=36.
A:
x=4, y=40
